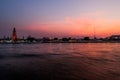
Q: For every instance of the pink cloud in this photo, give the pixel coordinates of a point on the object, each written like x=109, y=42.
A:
x=104, y=26
x=82, y=25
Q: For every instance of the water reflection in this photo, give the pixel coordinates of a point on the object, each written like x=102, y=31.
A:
x=68, y=61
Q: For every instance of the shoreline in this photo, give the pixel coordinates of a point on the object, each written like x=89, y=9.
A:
x=60, y=42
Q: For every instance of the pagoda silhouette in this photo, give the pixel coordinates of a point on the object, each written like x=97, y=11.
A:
x=14, y=35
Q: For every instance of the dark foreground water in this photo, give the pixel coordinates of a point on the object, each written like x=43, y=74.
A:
x=67, y=61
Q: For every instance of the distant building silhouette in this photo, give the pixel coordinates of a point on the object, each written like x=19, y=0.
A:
x=30, y=39
x=86, y=38
x=14, y=35
x=115, y=37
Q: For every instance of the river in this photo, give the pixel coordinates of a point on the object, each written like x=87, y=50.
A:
x=60, y=61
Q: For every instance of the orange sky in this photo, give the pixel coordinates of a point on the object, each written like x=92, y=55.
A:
x=79, y=26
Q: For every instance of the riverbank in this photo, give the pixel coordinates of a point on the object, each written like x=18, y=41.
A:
x=37, y=42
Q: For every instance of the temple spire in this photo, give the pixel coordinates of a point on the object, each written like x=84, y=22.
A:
x=14, y=35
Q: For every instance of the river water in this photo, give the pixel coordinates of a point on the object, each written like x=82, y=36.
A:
x=60, y=61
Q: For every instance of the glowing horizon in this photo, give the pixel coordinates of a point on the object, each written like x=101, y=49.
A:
x=52, y=18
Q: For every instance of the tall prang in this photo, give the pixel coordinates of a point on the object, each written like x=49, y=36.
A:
x=14, y=35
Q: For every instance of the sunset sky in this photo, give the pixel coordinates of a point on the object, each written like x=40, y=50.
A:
x=52, y=18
